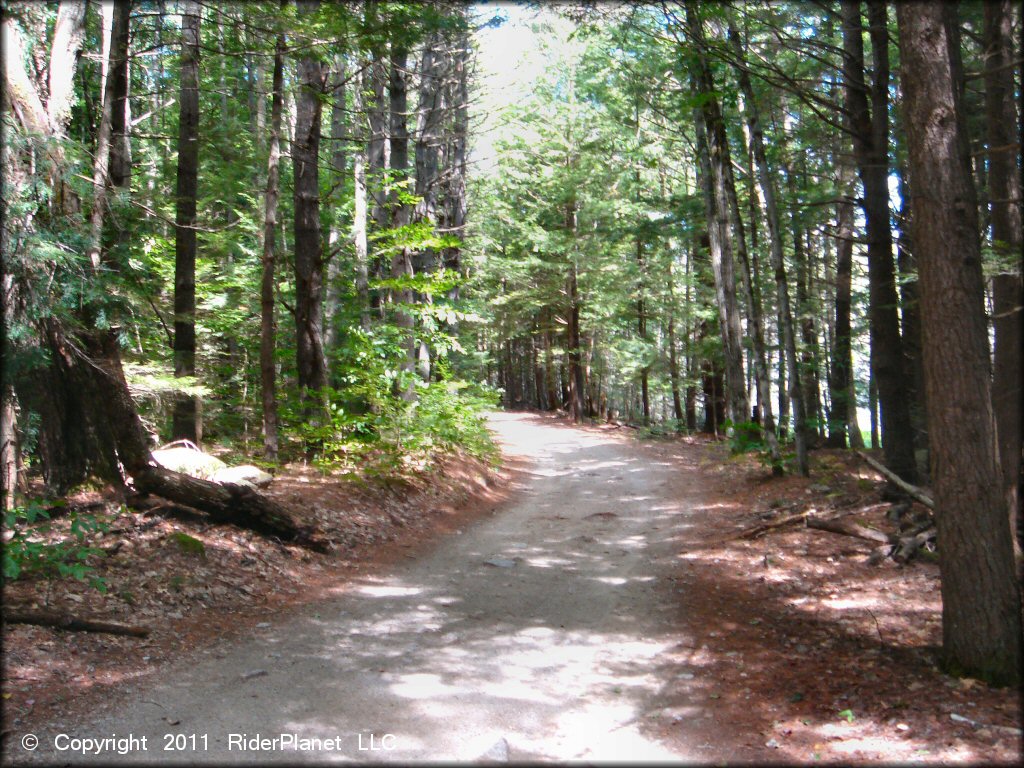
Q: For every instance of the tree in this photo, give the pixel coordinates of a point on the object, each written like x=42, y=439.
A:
x=870, y=132
x=713, y=150
x=1007, y=292
x=980, y=593
x=187, y=415
x=309, y=251
x=768, y=192
x=268, y=367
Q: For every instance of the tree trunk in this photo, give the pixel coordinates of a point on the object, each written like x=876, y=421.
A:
x=359, y=202
x=187, y=419
x=910, y=315
x=120, y=167
x=70, y=622
x=575, y=382
x=1007, y=296
x=713, y=154
x=673, y=359
x=68, y=33
x=768, y=193
x=980, y=593
x=429, y=139
x=573, y=343
x=9, y=446
x=309, y=256
x=229, y=503
x=117, y=61
x=89, y=426
x=641, y=328
x=551, y=372
x=333, y=312
x=841, y=371
x=401, y=259
x=870, y=131
x=811, y=392
x=268, y=366
x=455, y=192
x=748, y=279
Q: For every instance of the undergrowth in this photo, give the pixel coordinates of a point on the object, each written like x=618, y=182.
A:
x=32, y=546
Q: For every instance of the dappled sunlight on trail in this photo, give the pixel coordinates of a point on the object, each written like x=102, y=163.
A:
x=541, y=630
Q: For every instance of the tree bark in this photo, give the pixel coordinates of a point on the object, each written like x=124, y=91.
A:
x=359, y=202
x=116, y=62
x=455, y=191
x=576, y=384
x=768, y=193
x=9, y=446
x=673, y=355
x=748, y=280
x=89, y=427
x=870, y=132
x=120, y=168
x=430, y=139
x=187, y=419
x=401, y=259
x=1007, y=294
x=268, y=327
x=910, y=315
x=841, y=371
x=980, y=593
x=333, y=332
x=309, y=256
x=68, y=34
x=713, y=154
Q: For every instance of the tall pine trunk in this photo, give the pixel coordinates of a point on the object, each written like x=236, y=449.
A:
x=841, y=371
x=359, y=202
x=1007, y=296
x=981, y=617
x=333, y=334
x=752, y=296
x=713, y=155
x=870, y=131
x=787, y=356
x=268, y=367
x=401, y=259
x=575, y=359
x=187, y=417
x=309, y=255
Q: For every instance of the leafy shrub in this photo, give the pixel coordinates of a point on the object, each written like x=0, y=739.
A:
x=365, y=422
x=745, y=437
x=25, y=554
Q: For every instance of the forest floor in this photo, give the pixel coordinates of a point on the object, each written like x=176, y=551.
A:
x=792, y=647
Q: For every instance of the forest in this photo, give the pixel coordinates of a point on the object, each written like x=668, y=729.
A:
x=325, y=235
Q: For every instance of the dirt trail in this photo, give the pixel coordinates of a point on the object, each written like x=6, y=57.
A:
x=543, y=632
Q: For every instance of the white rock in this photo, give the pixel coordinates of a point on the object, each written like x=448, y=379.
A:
x=189, y=461
x=245, y=474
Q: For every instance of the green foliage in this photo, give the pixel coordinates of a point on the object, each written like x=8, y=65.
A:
x=748, y=437
x=24, y=553
x=745, y=437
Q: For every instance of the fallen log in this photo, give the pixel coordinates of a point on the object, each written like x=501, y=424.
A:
x=849, y=528
x=907, y=546
x=71, y=623
x=757, y=530
x=898, y=481
x=228, y=503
